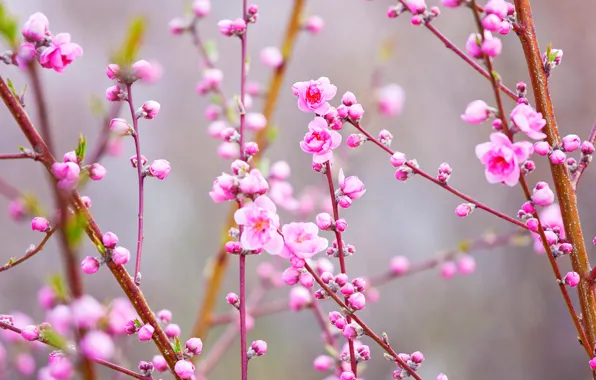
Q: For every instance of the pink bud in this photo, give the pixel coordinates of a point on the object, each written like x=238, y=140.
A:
x=357, y=301
x=448, y=269
x=113, y=71
x=543, y=196
x=233, y=299
x=587, y=148
x=97, y=345
x=164, y=315
x=307, y=280
x=565, y=248
x=109, y=239
x=299, y=298
x=172, y=330
x=417, y=357
x=30, y=332
x=442, y=376
x=350, y=331
x=477, y=112
x=194, y=346
x=36, y=27
x=212, y=77
x=40, y=224
x=145, y=333
x=225, y=27
x=150, y=109
x=323, y=363
x=271, y=57
x=542, y=148
x=464, y=209
x=159, y=169
x=341, y=225
x=592, y=363
x=113, y=94
x=398, y=159
x=251, y=148
x=143, y=70
x=314, y=24
x=46, y=297
x=259, y=347
x=355, y=140
x=255, y=121
x=355, y=112
x=324, y=221
x=572, y=279
x=97, y=172
x=160, y=363
x=90, y=265
x=472, y=47
x=466, y=265
x=184, y=369
x=492, y=46
x=177, y=26
x=120, y=255
x=120, y=127
x=571, y=143
x=557, y=157
x=201, y=8
x=491, y=23
x=349, y=99
x=359, y=283
x=399, y=265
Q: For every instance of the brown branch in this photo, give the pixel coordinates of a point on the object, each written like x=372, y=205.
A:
x=30, y=253
x=563, y=186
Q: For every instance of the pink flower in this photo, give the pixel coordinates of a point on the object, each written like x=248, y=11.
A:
x=357, y=301
x=40, y=224
x=352, y=187
x=302, y=239
x=201, y=8
x=225, y=188
x=60, y=367
x=160, y=363
x=30, y=332
x=473, y=46
x=120, y=127
x=313, y=96
x=150, y=109
x=323, y=363
x=543, y=195
x=466, y=264
x=502, y=158
x=145, y=333
x=320, y=140
x=159, y=169
x=46, y=297
x=258, y=348
x=491, y=46
x=194, y=346
x=254, y=183
x=314, y=24
x=97, y=172
x=97, y=345
x=260, y=222
x=184, y=369
x=572, y=279
x=109, y=239
x=550, y=216
x=60, y=317
x=399, y=265
x=61, y=53
x=271, y=57
x=87, y=311
x=282, y=194
x=299, y=298
x=90, y=265
x=25, y=364
x=36, y=27
x=477, y=112
x=528, y=121
x=255, y=121
x=390, y=100
x=67, y=174
x=120, y=255
x=121, y=311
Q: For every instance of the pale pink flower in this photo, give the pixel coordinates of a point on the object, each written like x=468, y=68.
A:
x=184, y=369
x=201, y=8
x=40, y=224
x=61, y=53
x=159, y=169
x=97, y=345
x=227, y=150
x=314, y=24
x=528, y=121
x=225, y=188
x=145, y=333
x=477, y=112
x=299, y=297
x=260, y=222
x=320, y=140
x=254, y=183
x=87, y=311
x=313, y=96
x=390, y=99
x=282, y=193
x=352, y=187
x=502, y=158
x=323, y=363
x=303, y=240
x=26, y=54
x=121, y=311
x=60, y=317
x=271, y=57
x=255, y=121
x=36, y=27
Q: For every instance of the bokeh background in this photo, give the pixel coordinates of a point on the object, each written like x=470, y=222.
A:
x=506, y=321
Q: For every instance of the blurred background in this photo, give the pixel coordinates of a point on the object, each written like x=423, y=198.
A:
x=505, y=321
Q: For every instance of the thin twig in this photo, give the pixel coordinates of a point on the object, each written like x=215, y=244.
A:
x=30, y=253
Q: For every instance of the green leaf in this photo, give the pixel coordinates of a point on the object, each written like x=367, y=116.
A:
x=177, y=346
x=75, y=229
x=127, y=53
x=464, y=246
x=12, y=89
x=138, y=323
x=272, y=133
x=81, y=148
x=8, y=27
x=57, y=284
x=54, y=339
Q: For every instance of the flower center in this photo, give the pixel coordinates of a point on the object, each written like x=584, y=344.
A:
x=313, y=94
x=261, y=225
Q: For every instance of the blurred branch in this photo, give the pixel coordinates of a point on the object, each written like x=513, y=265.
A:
x=30, y=252
x=584, y=162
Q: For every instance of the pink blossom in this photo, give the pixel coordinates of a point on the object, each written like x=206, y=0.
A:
x=473, y=46
x=416, y=6
x=120, y=255
x=97, y=345
x=571, y=143
x=87, y=311
x=61, y=53
x=60, y=367
x=451, y=3
x=194, y=346
x=109, y=239
x=260, y=222
x=97, y=172
x=551, y=216
x=225, y=187
x=36, y=27
x=299, y=298
x=448, y=269
x=355, y=112
x=25, y=55
x=352, y=187
x=543, y=195
x=145, y=333
x=24, y=363
x=113, y=71
x=143, y=69
x=67, y=174
x=17, y=209
x=30, y=332
x=89, y=265
x=592, y=363
x=356, y=139
x=399, y=265
x=227, y=150
x=313, y=96
x=159, y=169
x=259, y=347
x=323, y=363
x=282, y=194
x=40, y=224
x=46, y=297
x=464, y=209
x=201, y=8
x=502, y=158
x=357, y=301
x=466, y=264
x=572, y=279
x=255, y=121
x=160, y=363
x=528, y=121
x=150, y=109
x=491, y=46
x=477, y=112
x=497, y=7
x=390, y=99
x=173, y=330
x=254, y=183
x=314, y=24
x=303, y=240
x=320, y=140
x=121, y=311
x=280, y=170
x=271, y=57
x=557, y=157
x=60, y=317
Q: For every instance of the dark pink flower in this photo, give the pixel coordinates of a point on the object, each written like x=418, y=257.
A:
x=502, y=158
x=303, y=240
x=313, y=96
x=61, y=53
x=528, y=121
x=320, y=140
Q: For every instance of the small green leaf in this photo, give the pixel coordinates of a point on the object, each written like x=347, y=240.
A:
x=177, y=347
x=272, y=133
x=132, y=42
x=81, y=148
x=138, y=323
x=8, y=27
x=464, y=246
x=12, y=89
x=101, y=249
x=75, y=229
x=11, y=261
x=54, y=339
x=57, y=284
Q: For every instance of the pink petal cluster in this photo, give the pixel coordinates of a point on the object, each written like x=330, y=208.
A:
x=271, y=57
x=390, y=99
x=159, y=169
x=303, y=240
x=320, y=140
x=36, y=27
x=260, y=222
x=350, y=188
x=477, y=112
x=313, y=96
x=528, y=121
x=67, y=174
x=502, y=158
x=97, y=345
x=549, y=216
x=61, y=53
x=477, y=47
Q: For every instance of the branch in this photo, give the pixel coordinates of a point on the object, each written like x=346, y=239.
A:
x=30, y=252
